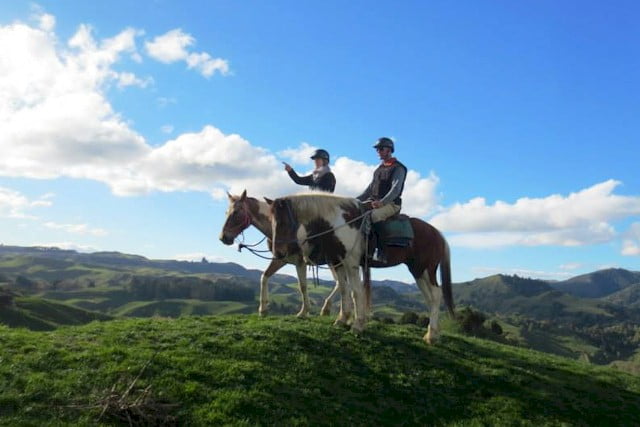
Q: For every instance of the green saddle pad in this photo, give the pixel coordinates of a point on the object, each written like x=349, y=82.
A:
x=395, y=231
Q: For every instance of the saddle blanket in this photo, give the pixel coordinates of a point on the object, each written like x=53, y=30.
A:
x=396, y=231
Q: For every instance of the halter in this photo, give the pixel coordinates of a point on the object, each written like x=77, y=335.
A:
x=246, y=222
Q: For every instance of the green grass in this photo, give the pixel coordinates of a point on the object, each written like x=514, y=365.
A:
x=41, y=314
x=242, y=370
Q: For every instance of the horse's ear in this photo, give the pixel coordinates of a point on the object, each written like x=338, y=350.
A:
x=231, y=197
x=243, y=197
x=268, y=200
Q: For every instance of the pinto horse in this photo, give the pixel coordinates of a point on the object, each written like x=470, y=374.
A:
x=244, y=212
x=327, y=229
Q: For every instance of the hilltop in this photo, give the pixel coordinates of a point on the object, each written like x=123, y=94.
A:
x=242, y=370
x=599, y=283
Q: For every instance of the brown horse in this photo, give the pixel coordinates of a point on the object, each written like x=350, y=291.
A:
x=327, y=229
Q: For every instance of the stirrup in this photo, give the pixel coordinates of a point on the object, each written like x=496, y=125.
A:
x=379, y=256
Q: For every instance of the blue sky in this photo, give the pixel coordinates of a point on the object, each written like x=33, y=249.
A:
x=518, y=120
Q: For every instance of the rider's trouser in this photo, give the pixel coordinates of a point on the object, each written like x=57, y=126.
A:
x=387, y=211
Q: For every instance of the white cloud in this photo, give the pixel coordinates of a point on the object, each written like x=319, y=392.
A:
x=76, y=228
x=172, y=47
x=580, y=218
x=164, y=101
x=571, y=266
x=204, y=161
x=54, y=118
x=129, y=79
x=300, y=155
x=46, y=22
x=631, y=241
x=14, y=204
x=72, y=246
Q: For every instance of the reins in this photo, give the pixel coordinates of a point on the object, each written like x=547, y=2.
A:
x=315, y=267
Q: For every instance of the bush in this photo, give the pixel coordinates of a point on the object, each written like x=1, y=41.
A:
x=388, y=321
x=471, y=321
x=409, y=317
x=496, y=328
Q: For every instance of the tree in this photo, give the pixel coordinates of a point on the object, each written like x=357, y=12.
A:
x=496, y=328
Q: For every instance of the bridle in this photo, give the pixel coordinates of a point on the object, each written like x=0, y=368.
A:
x=246, y=221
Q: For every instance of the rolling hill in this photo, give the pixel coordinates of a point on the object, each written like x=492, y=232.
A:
x=598, y=284
x=627, y=297
x=43, y=315
x=529, y=297
x=241, y=370
x=532, y=313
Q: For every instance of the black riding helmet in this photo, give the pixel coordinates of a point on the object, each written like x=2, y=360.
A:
x=384, y=142
x=321, y=154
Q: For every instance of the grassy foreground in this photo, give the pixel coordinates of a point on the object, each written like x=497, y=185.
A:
x=243, y=370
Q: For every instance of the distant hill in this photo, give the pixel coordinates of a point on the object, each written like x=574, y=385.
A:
x=627, y=297
x=598, y=284
x=51, y=258
x=241, y=370
x=516, y=295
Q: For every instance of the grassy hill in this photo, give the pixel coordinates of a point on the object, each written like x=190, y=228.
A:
x=627, y=297
x=598, y=284
x=516, y=295
x=241, y=370
x=42, y=315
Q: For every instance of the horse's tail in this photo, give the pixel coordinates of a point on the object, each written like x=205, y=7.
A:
x=367, y=287
x=445, y=278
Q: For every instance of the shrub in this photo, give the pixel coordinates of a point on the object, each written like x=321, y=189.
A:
x=409, y=317
x=496, y=328
x=471, y=321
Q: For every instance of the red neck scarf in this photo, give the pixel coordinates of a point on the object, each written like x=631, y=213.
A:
x=390, y=162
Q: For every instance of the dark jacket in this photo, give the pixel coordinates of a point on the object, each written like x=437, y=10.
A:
x=326, y=182
x=387, y=184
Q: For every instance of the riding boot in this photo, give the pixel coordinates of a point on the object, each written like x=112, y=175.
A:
x=379, y=255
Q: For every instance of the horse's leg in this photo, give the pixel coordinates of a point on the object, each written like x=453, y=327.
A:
x=359, y=298
x=326, y=307
x=273, y=267
x=342, y=283
x=301, y=269
x=433, y=296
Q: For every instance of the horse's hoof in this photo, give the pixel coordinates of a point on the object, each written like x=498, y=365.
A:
x=325, y=312
x=263, y=313
x=431, y=337
x=302, y=315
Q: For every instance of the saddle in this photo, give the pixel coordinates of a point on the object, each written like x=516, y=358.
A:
x=395, y=231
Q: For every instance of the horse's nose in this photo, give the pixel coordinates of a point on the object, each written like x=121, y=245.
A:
x=224, y=239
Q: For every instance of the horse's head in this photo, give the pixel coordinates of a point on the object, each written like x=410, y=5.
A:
x=284, y=227
x=238, y=218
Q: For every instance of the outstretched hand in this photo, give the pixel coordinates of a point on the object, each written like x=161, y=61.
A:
x=287, y=167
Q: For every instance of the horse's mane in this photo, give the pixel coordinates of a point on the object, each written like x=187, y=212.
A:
x=308, y=206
